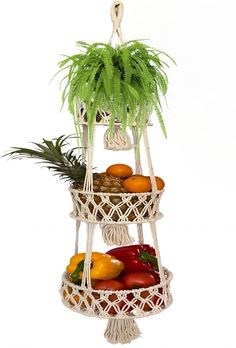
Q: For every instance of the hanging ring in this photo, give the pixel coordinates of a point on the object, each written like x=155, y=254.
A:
x=117, y=10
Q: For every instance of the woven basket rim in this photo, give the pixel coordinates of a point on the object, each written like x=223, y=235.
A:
x=126, y=194
x=168, y=274
x=106, y=123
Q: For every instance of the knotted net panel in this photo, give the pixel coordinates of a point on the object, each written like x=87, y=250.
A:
x=102, y=117
x=119, y=304
x=120, y=208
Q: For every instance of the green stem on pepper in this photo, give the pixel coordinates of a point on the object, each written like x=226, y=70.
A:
x=147, y=257
x=76, y=274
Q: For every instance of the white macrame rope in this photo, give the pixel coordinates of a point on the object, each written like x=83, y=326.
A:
x=148, y=154
x=86, y=279
x=135, y=303
x=77, y=236
x=116, y=234
x=138, y=166
x=118, y=141
x=119, y=208
x=156, y=247
x=121, y=331
x=85, y=142
x=88, y=182
x=117, y=10
x=140, y=233
x=138, y=170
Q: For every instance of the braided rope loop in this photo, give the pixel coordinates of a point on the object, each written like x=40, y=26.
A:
x=117, y=10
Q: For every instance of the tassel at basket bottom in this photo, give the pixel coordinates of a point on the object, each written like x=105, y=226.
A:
x=121, y=331
x=116, y=234
x=118, y=141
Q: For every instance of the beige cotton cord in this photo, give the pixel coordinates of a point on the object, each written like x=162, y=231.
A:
x=117, y=10
x=114, y=234
x=118, y=141
x=86, y=279
x=117, y=304
x=77, y=236
x=121, y=331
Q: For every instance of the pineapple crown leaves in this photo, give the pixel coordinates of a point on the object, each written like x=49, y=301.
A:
x=65, y=164
x=128, y=80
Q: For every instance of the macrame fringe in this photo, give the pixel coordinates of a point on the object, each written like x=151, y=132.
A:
x=121, y=331
x=119, y=140
x=116, y=235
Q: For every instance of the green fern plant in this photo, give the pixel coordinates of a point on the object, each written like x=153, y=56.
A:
x=128, y=80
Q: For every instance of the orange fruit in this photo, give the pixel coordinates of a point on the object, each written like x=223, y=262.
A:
x=160, y=182
x=137, y=183
x=120, y=170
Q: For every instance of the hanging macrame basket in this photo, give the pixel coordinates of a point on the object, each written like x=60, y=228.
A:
x=114, y=213
x=121, y=307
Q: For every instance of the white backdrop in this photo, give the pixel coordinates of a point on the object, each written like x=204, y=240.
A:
x=197, y=235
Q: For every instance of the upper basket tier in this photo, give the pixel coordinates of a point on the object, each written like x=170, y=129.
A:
x=113, y=208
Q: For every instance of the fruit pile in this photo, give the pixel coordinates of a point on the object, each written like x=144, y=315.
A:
x=123, y=268
x=116, y=180
x=119, y=178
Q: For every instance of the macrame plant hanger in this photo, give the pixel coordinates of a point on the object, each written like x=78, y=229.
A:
x=122, y=307
x=119, y=140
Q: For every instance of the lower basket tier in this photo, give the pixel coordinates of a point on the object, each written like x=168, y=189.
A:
x=122, y=208
x=117, y=304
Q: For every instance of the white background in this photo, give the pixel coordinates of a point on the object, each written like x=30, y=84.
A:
x=197, y=235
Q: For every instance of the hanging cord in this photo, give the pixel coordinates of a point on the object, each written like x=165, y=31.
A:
x=156, y=247
x=86, y=279
x=119, y=141
x=138, y=166
x=149, y=159
x=88, y=182
x=138, y=170
x=117, y=10
x=77, y=236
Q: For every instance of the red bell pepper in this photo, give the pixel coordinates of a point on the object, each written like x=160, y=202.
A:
x=136, y=280
x=136, y=258
x=115, y=285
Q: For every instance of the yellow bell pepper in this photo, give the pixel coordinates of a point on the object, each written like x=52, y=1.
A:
x=103, y=266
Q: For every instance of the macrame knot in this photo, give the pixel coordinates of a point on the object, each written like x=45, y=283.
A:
x=116, y=17
x=121, y=331
x=116, y=234
x=118, y=141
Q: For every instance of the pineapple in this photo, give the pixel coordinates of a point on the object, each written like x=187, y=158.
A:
x=66, y=165
x=104, y=183
x=107, y=183
x=72, y=168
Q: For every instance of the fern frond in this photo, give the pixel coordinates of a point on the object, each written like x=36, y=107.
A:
x=128, y=80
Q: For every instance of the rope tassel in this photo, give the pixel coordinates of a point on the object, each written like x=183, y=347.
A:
x=121, y=331
x=116, y=235
x=118, y=141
